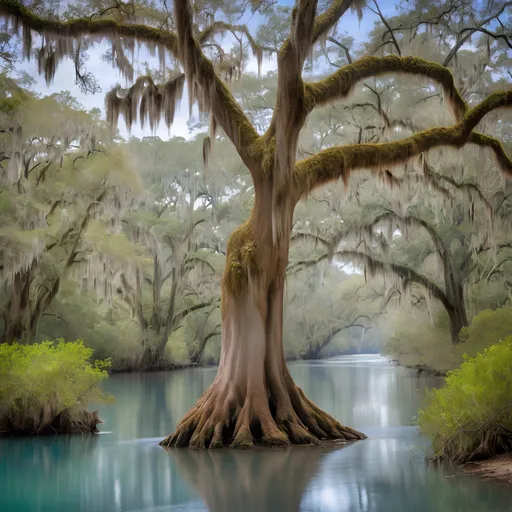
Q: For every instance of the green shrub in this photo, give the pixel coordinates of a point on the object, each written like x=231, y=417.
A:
x=487, y=328
x=38, y=382
x=471, y=416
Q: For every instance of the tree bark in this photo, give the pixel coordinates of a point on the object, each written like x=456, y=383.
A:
x=13, y=324
x=457, y=315
x=253, y=398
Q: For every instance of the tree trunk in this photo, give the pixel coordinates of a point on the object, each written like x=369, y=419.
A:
x=458, y=320
x=16, y=318
x=253, y=398
x=195, y=358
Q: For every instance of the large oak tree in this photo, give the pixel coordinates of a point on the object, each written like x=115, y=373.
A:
x=253, y=397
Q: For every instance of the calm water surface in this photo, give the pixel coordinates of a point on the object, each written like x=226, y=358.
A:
x=124, y=469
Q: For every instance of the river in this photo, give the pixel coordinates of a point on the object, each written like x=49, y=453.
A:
x=124, y=469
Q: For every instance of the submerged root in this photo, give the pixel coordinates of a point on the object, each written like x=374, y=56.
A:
x=218, y=421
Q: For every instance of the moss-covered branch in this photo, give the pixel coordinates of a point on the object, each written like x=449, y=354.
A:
x=332, y=15
x=291, y=112
x=212, y=92
x=80, y=27
x=339, y=84
x=337, y=162
x=204, y=83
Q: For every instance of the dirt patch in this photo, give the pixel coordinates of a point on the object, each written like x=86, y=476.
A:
x=499, y=467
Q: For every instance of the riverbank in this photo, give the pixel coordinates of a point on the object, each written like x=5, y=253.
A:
x=498, y=468
x=133, y=366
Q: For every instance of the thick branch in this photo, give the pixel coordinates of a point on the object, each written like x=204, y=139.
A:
x=291, y=111
x=179, y=317
x=332, y=15
x=80, y=27
x=338, y=162
x=199, y=70
x=339, y=84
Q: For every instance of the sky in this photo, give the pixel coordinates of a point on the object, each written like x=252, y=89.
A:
x=109, y=77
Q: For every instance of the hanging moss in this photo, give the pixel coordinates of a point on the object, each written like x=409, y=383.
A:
x=77, y=28
x=146, y=101
x=331, y=16
x=222, y=27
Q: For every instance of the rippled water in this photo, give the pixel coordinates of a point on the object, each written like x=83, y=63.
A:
x=124, y=469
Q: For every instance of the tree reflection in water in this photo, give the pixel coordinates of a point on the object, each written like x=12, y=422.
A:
x=254, y=480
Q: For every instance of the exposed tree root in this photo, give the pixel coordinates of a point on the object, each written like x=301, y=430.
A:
x=221, y=420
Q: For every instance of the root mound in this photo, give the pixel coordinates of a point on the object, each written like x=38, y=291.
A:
x=221, y=419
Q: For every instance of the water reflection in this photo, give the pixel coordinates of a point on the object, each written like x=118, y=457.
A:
x=252, y=481
x=127, y=471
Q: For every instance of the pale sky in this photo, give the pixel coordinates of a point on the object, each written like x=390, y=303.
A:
x=108, y=76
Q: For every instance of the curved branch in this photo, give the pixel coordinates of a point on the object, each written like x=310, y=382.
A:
x=375, y=265
x=484, y=141
x=297, y=266
x=494, y=35
x=79, y=27
x=464, y=185
x=178, y=317
x=337, y=162
x=310, y=237
x=340, y=83
x=412, y=220
x=219, y=27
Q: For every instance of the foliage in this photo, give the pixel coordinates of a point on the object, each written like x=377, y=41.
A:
x=153, y=247
x=33, y=376
x=413, y=341
x=424, y=344
x=471, y=416
x=107, y=329
x=485, y=329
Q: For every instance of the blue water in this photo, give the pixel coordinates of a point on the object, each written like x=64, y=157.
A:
x=124, y=469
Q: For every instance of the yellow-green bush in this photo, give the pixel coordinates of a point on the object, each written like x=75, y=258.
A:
x=39, y=382
x=486, y=328
x=471, y=416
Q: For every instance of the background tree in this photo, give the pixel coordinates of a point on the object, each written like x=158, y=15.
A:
x=253, y=396
x=60, y=177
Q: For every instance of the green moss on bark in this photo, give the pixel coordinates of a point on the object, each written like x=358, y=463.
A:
x=242, y=248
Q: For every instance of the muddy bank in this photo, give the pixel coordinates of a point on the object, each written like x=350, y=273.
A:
x=498, y=467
